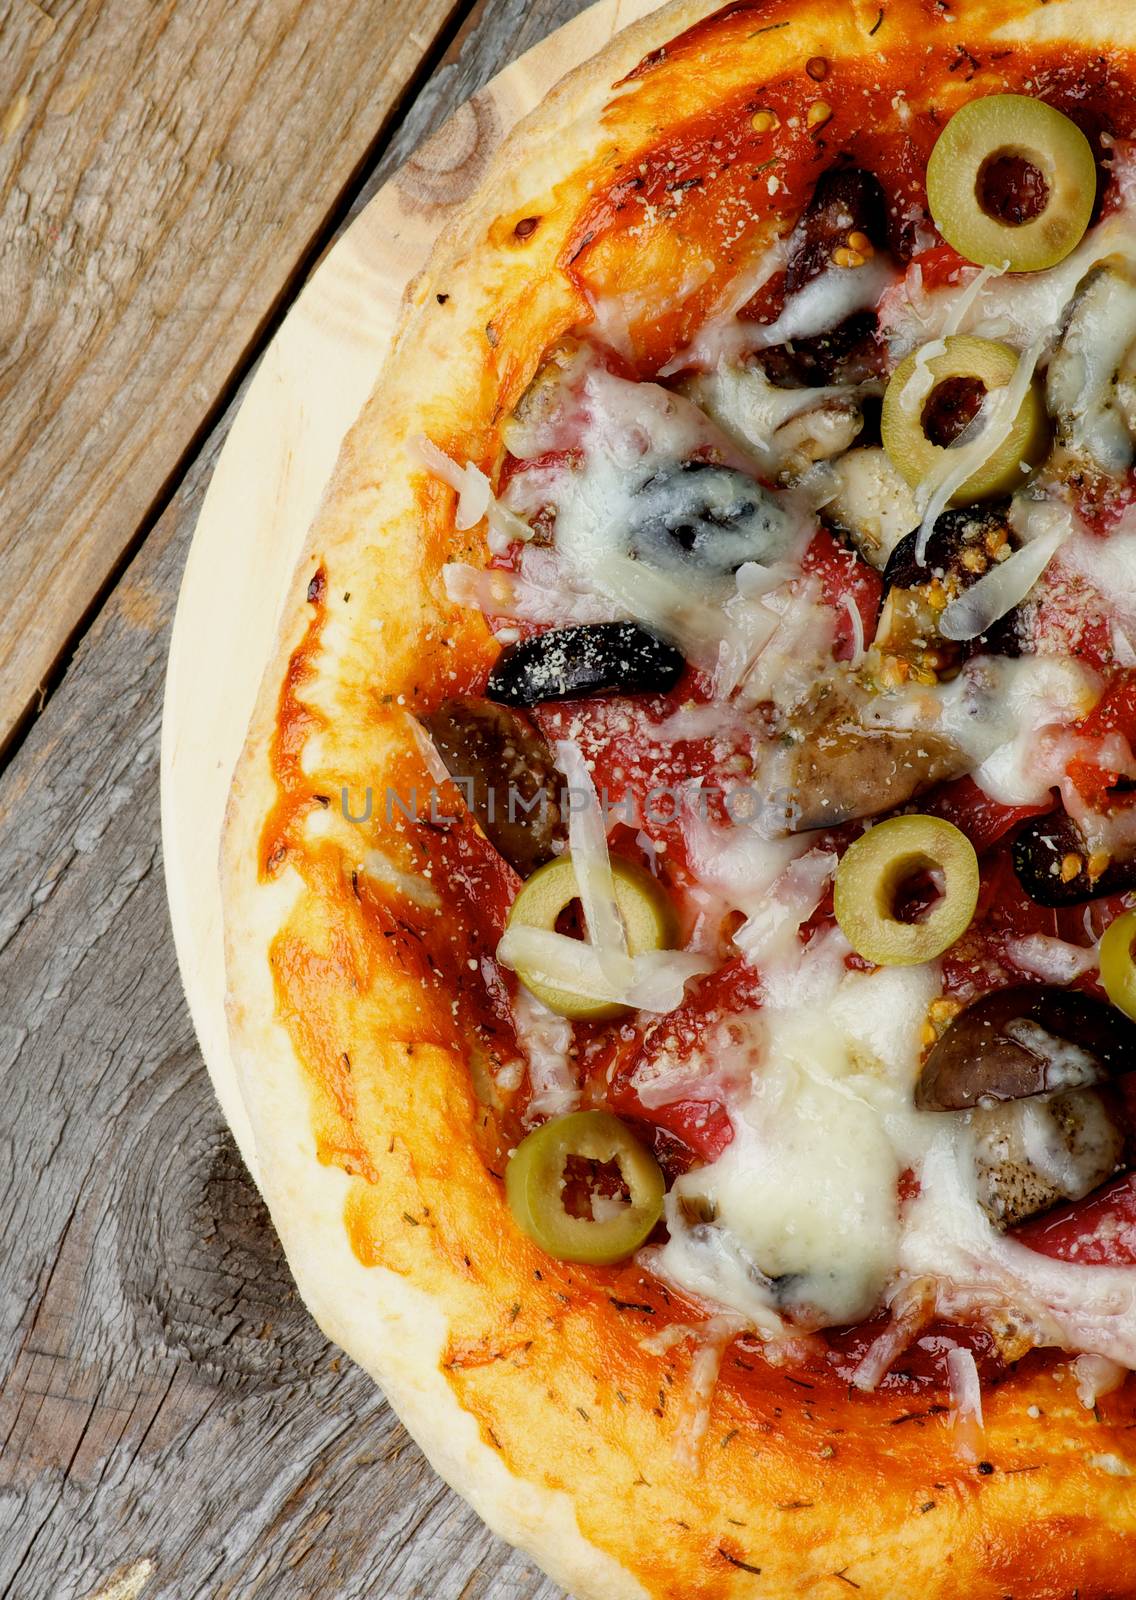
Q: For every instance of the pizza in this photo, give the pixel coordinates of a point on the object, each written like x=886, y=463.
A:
x=680, y=883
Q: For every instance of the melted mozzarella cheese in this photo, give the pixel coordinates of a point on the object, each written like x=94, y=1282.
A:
x=632, y=431
x=799, y=1214
x=1050, y=959
x=1017, y=307
x=1008, y=714
x=768, y=937
x=977, y=1270
x=824, y=303
x=798, y=1220
x=546, y=1040
x=1108, y=564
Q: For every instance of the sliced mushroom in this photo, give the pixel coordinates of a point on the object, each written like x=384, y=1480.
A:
x=1025, y=1068
x=1033, y=1154
x=528, y=431
x=1026, y=1040
x=1082, y=387
x=834, y=767
x=873, y=503
x=828, y=430
x=507, y=774
x=785, y=430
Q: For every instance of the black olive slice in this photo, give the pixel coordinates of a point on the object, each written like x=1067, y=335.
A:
x=1024, y=1041
x=506, y=772
x=850, y=353
x=962, y=546
x=709, y=519
x=590, y=659
x=845, y=200
x=1051, y=859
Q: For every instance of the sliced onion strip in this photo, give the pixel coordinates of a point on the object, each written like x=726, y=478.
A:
x=998, y=415
x=1005, y=586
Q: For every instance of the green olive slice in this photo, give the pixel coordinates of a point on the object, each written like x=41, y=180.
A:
x=1117, y=963
x=874, y=870
x=913, y=420
x=535, y=1181
x=647, y=914
x=1012, y=182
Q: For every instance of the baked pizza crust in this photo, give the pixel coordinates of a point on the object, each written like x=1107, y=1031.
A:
x=525, y=1381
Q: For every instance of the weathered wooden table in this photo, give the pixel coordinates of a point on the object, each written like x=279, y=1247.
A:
x=171, y=1421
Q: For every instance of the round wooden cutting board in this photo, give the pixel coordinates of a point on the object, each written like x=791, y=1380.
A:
x=308, y=389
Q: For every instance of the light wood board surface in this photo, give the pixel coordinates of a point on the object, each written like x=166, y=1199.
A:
x=165, y=166
x=266, y=487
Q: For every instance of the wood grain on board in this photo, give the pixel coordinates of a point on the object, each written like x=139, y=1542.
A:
x=172, y=1424
x=166, y=166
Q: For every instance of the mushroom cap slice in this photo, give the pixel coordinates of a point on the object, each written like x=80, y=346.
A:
x=1025, y=1041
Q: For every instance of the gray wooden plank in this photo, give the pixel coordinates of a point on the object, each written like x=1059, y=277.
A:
x=172, y=1424
x=163, y=170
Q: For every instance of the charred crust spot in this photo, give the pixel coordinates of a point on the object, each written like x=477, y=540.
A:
x=526, y=227
x=317, y=586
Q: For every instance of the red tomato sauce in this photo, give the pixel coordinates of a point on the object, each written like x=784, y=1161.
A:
x=732, y=184
x=1097, y=1232
x=714, y=172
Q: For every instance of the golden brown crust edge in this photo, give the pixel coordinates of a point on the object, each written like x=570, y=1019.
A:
x=602, y=1504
